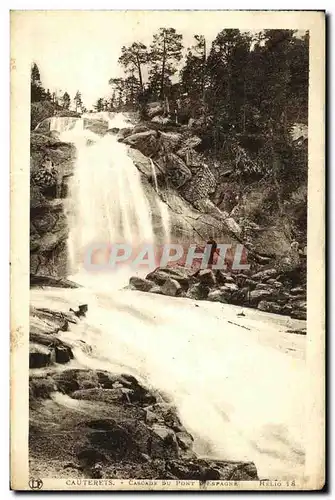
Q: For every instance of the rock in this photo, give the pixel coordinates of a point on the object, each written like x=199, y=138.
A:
x=150, y=417
x=276, y=284
x=154, y=109
x=264, y=275
x=163, y=120
x=63, y=354
x=145, y=142
x=104, y=395
x=141, y=284
x=167, y=414
x=217, y=296
x=170, y=140
x=171, y=287
x=233, y=226
x=271, y=307
x=45, y=320
x=142, y=162
x=140, y=127
x=174, y=168
x=231, y=286
x=207, y=277
x=298, y=314
x=224, y=294
x=297, y=291
x=223, y=277
x=125, y=132
x=251, y=284
x=300, y=304
x=206, y=469
x=257, y=295
x=188, y=142
x=39, y=356
x=41, y=388
x=200, y=186
x=181, y=274
x=185, y=440
x=36, y=281
x=199, y=291
x=206, y=206
x=163, y=442
x=262, y=286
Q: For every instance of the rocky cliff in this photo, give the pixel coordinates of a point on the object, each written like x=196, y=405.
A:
x=50, y=167
x=202, y=198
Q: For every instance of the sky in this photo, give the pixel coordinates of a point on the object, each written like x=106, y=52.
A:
x=79, y=50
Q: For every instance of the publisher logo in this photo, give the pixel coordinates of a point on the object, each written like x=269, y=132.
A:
x=35, y=484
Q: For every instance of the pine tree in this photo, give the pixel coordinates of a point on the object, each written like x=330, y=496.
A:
x=66, y=101
x=227, y=64
x=36, y=89
x=193, y=74
x=165, y=53
x=48, y=96
x=118, y=86
x=78, y=101
x=99, y=105
x=133, y=58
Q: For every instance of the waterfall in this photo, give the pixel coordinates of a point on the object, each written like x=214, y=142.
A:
x=237, y=390
x=108, y=202
x=63, y=123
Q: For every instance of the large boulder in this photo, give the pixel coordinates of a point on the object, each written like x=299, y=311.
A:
x=171, y=287
x=170, y=140
x=141, y=284
x=207, y=277
x=145, y=165
x=257, y=296
x=225, y=293
x=178, y=273
x=163, y=442
x=146, y=142
x=265, y=275
x=39, y=356
x=271, y=307
x=198, y=291
x=176, y=172
x=154, y=109
x=200, y=186
x=187, y=143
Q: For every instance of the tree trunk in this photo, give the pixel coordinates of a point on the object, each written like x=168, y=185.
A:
x=203, y=83
x=139, y=72
x=244, y=103
x=163, y=68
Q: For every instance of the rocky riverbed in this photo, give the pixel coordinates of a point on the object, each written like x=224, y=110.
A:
x=99, y=424
x=268, y=289
x=175, y=368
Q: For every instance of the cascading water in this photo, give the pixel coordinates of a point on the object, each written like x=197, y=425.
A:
x=61, y=124
x=154, y=175
x=237, y=390
x=108, y=201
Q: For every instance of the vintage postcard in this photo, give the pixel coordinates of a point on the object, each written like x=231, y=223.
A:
x=167, y=250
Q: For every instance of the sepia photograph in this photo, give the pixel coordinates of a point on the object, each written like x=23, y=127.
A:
x=167, y=221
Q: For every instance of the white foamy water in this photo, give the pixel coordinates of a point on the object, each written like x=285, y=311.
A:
x=108, y=204
x=238, y=382
x=238, y=391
